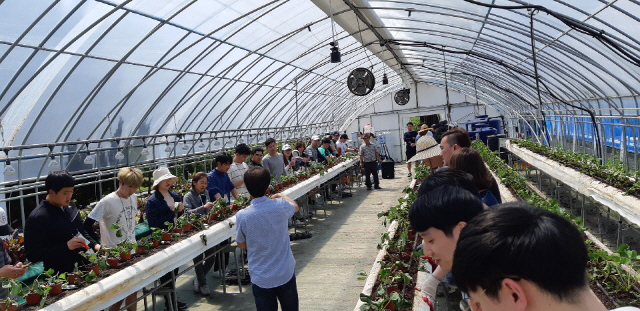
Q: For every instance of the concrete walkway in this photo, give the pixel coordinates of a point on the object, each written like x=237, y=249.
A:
x=328, y=264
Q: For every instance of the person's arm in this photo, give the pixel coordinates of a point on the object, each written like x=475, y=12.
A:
x=38, y=247
x=378, y=156
x=191, y=205
x=290, y=200
x=234, y=192
x=12, y=272
x=241, y=239
x=238, y=183
x=88, y=228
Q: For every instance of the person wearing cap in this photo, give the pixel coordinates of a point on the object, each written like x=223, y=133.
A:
x=369, y=159
x=8, y=270
x=50, y=233
x=118, y=207
x=160, y=208
x=410, y=141
x=256, y=157
x=273, y=162
x=427, y=151
x=335, y=137
x=289, y=160
x=312, y=150
x=239, y=167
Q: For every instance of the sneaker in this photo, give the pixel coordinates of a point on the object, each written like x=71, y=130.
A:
x=299, y=223
x=377, y=187
x=196, y=286
x=182, y=305
x=409, y=175
x=204, y=290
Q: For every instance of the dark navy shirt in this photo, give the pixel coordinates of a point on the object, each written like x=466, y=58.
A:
x=410, y=138
x=157, y=210
x=219, y=183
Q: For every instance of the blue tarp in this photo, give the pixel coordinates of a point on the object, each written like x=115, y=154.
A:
x=611, y=130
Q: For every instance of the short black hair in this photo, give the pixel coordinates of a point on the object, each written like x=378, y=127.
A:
x=457, y=136
x=326, y=141
x=269, y=141
x=57, y=180
x=257, y=180
x=224, y=158
x=448, y=176
x=443, y=208
x=344, y=136
x=256, y=149
x=409, y=123
x=243, y=149
x=514, y=240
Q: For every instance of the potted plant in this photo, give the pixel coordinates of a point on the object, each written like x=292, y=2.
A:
x=171, y=227
x=183, y=223
x=9, y=304
x=156, y=237
x=71, y=277
x=125, y=247
x=96, y=262
x=55, y=280
x=15, y=289
x=38, y=294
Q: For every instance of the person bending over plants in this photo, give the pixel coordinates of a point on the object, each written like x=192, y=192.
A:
x=197, y=201
x=118, y=210
x=438, y=216
x=516, y=257
x=262, y=230
x=50, y=234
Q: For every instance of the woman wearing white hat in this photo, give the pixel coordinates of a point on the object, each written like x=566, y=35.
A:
x=428, y=151
x=160, y=207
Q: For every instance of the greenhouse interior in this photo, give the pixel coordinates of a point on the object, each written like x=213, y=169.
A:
x=320, y=155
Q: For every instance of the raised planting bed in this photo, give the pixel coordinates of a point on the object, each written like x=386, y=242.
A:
x=612, y=275
x=627, y=206
x=391, y=281
x=115, y=284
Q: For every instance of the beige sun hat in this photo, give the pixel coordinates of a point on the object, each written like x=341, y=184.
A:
x=162, y=173
x=426, y=147
x=424, y=129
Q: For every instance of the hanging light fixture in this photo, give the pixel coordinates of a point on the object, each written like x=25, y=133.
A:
x=185, y=146
x=168, y=148
x=53, y=163
x=335, y=49
x=201, y=145
x=385, y=80
x=119, y=155
x=8, y=169
x=89, y=160
x=144, y=152
x=216, y=143
x=240, y=140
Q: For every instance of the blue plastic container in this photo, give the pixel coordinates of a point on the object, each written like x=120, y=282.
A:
x=482, y=133
x=496, y=124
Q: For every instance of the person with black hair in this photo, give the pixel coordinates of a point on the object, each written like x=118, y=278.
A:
x=262, y=229
x=273, y=161
x=516, y=257
x=410, y=142
x=342, y=147
x=325, y=148
x=256, y=157
x=50, y=233
x=219, y=184
x=448, y=177
x=369, y=159
x=453, y=140
x=438, y=216
x=239, y=167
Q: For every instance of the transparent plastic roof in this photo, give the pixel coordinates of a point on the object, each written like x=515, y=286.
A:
x=90, y=69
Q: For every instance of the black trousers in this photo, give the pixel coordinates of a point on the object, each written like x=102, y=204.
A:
x=371, y=168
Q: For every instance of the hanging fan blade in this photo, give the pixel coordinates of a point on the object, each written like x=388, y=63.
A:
x=361, y=81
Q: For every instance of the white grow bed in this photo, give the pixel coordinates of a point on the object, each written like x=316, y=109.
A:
x=106, y=292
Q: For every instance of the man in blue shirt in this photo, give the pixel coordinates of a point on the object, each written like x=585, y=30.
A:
x=262, y=229
x=219, y=184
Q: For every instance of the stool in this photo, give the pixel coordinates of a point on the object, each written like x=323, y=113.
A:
x=231, y=248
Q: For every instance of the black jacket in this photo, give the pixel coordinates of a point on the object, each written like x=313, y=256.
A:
x=46, y=233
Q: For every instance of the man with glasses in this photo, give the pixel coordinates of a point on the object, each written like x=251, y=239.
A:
x=516, y=257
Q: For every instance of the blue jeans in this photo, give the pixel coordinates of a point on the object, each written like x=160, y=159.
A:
x=267, y=298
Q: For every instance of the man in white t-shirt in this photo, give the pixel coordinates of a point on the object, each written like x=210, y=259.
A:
x=341, y=145
x=118, y=207
x=239, y=167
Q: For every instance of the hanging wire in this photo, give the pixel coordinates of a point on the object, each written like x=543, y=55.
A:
x=333, y=30
x=545, y=130
x=362, y=42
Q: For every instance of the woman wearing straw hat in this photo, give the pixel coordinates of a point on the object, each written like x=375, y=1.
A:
x=428, y=151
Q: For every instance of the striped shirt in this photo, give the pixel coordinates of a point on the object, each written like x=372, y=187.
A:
x=236, y=173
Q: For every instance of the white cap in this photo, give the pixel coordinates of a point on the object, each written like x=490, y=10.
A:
x=315, y=137
x=286, y=147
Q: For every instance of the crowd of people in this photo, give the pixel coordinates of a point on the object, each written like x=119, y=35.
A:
x=56, y=235
x=500, y=256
